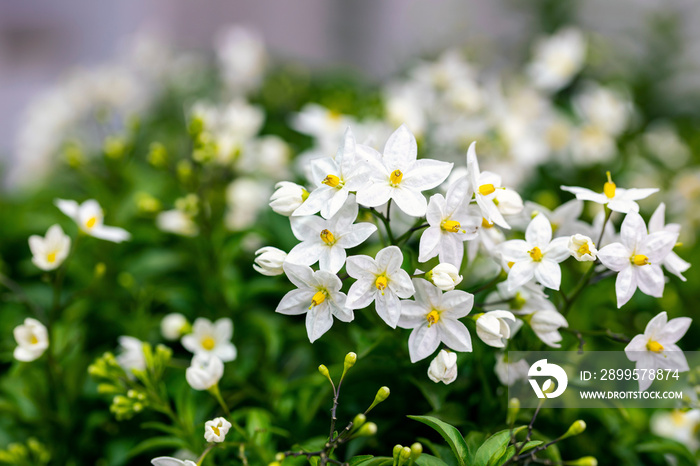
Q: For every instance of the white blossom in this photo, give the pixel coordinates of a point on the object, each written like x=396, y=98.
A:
x=170, y=461
x=269, y=260
x=582, y=248
x=445, y=276
x=546, y=324
x=173, y=326
x=287, y=197
x=209, y=337
x=557, y=59
x=205, y=371
x=443, y=368
x=493, y=327
x=89, y=218
x=616, y=199
x=510, y=372
x=131, y=354
x=485, y=185
x=49, y=252
x=178, y=222
x=32, y=340
x=216, y=430
x=672, y=262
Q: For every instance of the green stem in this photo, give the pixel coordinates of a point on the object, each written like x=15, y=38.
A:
x=217, y=394
x=385, y=221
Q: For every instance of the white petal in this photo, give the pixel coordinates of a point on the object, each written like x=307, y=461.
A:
x=625, y=286
x=375, y=194
x=410, y=201
x=548, y=273
x=673, y=330
x=400, y=148
x=318, y=321
x=454, y=334
x=308, y=227
x=658, y=219
x=389, y=259
x=388, y=308
x=361, y=294
x=68, y=207
x=650, y=279
x=632, y=230
x=300, y=275
x=113, y=234
x=361, y=266
x=423, y=342
x=457, y=303
x=520, y=273
x=332, y=259
x=293, y=303
x=426, y=174
x=558, y=250
x=635, y=194
x=615, y=256
x=357, y=234
x=306, y=253
x=429, y=242
x=539, y=232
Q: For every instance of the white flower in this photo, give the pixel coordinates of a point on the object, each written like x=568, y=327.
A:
x=536, y=256
x=318, y=296
x=656, y=348
x=173, y=326
x=484, y=185
x=89, y=217
x=546, y=326
x=510, y=372
x=398, y=175
x=608, y=109
x=508, y=201
x=213, y=338
x=493, y=328
x=451, y=223
x=216, y=430
x=131, y=354
x=582, y=248
x=325, y=125
x=433, y=316
x=637, y=258
x=287, y=197
x=672, y=262
x=557, y=59
x=617, y=199
x=269, y=260
x=445, y=276
x=681, y=426
x=205, y=371
x=325, y=241
x=32, y=340
x=245, y=197
x=336, y=178
x=49, y=252
x=443, y=368
x=169, y=461
x=242, y=57
x=381, y=280
x=177, y=222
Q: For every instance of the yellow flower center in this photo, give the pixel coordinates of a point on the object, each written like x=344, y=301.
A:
x=318, y=298
x=51, y=257
x=640, y=259
x=452, y=226
x=433, y=317
x=535, y=254
x=34, y=340
x=396, y=177
x=609, y=187
x=584, y=249
x=208, y=343
x=381, y=283
x=331, y=180
x=216, y=430
x=91, y=222
x=486, y=189
x=655, y=346
x=328, y=237
x=485, y=223
x=511, y=264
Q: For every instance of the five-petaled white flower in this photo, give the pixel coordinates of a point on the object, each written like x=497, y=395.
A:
x=546, y=324
x=381, y=280
x=211, y=338
x=451, y=223
x=216, y=430
x=32, y=340
x=637, y=258
x=557, y=59
x=325, y=241
x=205, y=371
x=317, y=295
x=617, y=199
x=90, y=218
x=49, y=252
x=672, y=262
x=536, y=256
x=398, y=175
x=433, y=316
x=443, y=368
x=493, y=329
x=582, y=248
x=656, y=348
x=484, y=185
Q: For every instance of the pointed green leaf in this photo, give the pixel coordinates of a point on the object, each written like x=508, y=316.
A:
x=451, y=435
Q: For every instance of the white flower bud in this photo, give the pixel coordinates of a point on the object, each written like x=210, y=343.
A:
x=32, y=340
x=287, y=197
x=269, y=260
x=177, y=222
x=216, y=430
x=173, y=326
x=204, y=372
x=582, y=248
x=508, y=201
x=445, y=276
x=493, y=329
x=443, y=368
x=546, y=325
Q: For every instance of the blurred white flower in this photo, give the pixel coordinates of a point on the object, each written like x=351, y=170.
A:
x=324, y=125
x=582, y=248
x=287, y=197
x=484, y=185
x=521, y=301
x=493, y=329
x=205, y=371
x=245, y=198
x=637, y=258
x=169, y=461
x=434, y=318
x=662, y=140
x=546, y=324
x=32, y=340
x=510, y=372
x=557, y=59
x=617, y=199
x=672, y=262
x=131, y=354
x=443, y=368
x=269, y=261
x=405, y=103
x=211, y=338
x=656, y=348
x=268, y=155
x=681, y=426
x=216, y=430
x=381, y=280
x=177, y=222
x=242, y=58
x=49, y=252
x=605, y=108
x=445, y=276
x=318, y=296
x=564, y=219
x=90, y=218
x=173, y=326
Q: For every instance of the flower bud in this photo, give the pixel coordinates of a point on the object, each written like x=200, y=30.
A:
x=546, y=325
x=367, y=430
x=585, y=461
x=173, y=326
x=416, y=450
x=324, y=371
x=445, y=276
x=216, y=430
x=493, y=328
x=287, y=198
x=397, y=451
x=358, y=421
x=582, y=248
x=350, y=359
x=205, y=371
x=576, y=428
x=382, y=394
x=513, y=408
x=443, y=368
x=269, y=260
x=404, y=455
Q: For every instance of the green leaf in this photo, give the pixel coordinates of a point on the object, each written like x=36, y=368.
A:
x=451, y=435
x=157, y=442
x=359, y=459
x=494, y=447
x=372, y=461
x=667, y=446
x=510, y=451
x=429, y=460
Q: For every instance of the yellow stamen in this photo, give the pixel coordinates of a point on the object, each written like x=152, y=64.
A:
x=678, y=245
x=335, y=116
x=51, y=257
x=91, y=222
x=655, y=346
x=208, y=343
x=433, y=317
x=34, y=340
x=609, y=187
x=318, y=298
x=584, y=249
x=535, y=254
x=486, y=189
x=381, y=283
x=511, y=264
x=216, y=430
x=640, y=259
x=331, y=180
x=396, y=177
x=328, y=237
x=452, y=226
x=485, y=223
